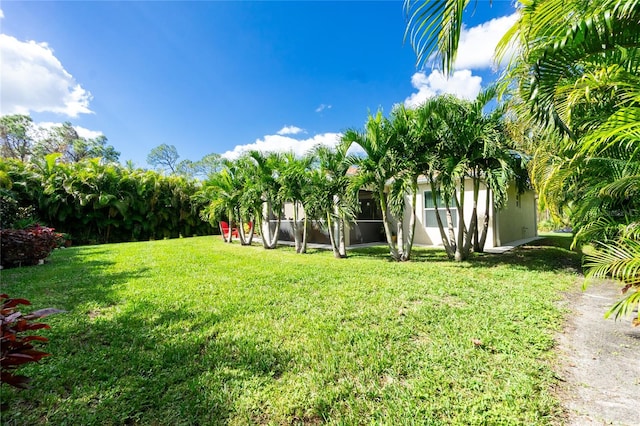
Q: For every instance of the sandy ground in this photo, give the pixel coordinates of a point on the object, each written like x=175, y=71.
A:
x=599, y=361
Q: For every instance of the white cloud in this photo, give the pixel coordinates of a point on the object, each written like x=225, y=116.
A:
x=33, y=79
x=322, y=107
x=82, y=131
x=280, y=143
x=462, y=84
x=290, y=130
x=1, y=14
x=478, y=44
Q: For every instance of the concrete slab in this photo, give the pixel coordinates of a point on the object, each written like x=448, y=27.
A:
x=511, y=245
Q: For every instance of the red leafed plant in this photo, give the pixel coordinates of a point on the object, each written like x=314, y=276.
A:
x=17, y=349
x=23, y=247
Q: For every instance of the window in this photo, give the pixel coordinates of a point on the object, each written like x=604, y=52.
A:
x=518, y=200
x=430, y=220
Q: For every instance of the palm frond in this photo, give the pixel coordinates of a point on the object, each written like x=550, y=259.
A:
x=619, y=260
x=434, y=27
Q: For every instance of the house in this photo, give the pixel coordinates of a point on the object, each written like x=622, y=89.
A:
x=516, y=220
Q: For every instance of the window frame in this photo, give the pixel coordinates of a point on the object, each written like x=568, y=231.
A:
x=427, y=195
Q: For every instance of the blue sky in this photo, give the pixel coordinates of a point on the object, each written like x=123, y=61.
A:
x=223, y=76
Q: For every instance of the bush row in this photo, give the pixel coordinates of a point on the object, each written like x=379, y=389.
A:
x=100, y=203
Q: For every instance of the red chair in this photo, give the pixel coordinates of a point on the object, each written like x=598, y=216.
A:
x=224, y=228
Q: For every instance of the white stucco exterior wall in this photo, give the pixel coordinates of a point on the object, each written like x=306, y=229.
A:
x=515, y=221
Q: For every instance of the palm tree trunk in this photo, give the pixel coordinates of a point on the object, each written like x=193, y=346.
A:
x=245, y=239
x=342, y=248
x=400, y=237
x=241, y=230
x=472, y=234
x=412, y=220
x=296, y=228
x=266, y=224
x=273, y=242
x=460, y=252
x=452, y=232
x=229, y=237
x=476, y=194
x=485, y=222
x=445, y=241
x=252, y=228
x=269, y=239
x=332, y=236
x=303, y=249
x=387, y=228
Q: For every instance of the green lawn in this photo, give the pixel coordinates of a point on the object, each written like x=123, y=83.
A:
x=193, y=331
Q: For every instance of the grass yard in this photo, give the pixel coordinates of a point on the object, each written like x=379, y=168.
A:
x=196, y=332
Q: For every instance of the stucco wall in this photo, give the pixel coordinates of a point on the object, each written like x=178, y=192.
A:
x=431, y=235
x=517, y=219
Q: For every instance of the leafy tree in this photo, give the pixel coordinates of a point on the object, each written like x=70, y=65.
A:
x=620, y=260
x=85, y=149
x=205, y=167
x=186, y=168
x=65, y=140
x=20, y=138
x=15, y=136
x=164, y=157
x=578, y=77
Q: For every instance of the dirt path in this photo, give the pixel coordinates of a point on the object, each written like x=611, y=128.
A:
x=600, y=361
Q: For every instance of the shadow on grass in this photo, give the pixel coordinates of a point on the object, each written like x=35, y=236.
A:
x=533, y=257
x=552, y=253
x=145, y=364
x=69, y=278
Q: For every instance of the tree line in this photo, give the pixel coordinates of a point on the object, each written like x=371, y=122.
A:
x=22, y=139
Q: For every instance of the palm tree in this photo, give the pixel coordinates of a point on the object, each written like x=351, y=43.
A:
x=378, y=141
x=265, y=186
x=576, y=65
x=582, y=82
x=459, y=143
x=329, y=197
x=294, y=179
x=223, y=189
x=250, y=203
x=410, y=159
